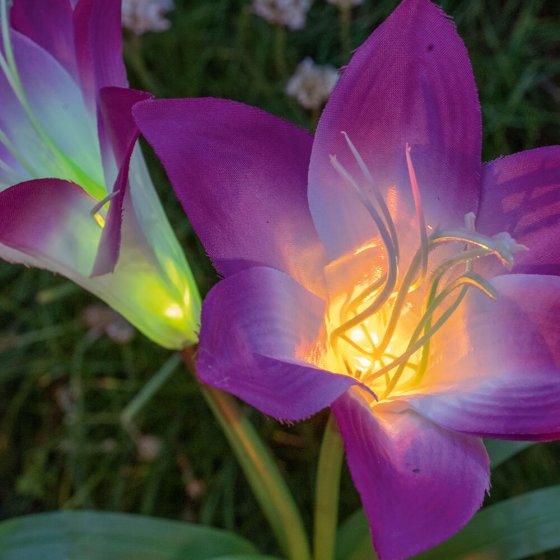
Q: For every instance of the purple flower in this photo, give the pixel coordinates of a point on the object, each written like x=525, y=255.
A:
x=356, y=275
x=75, y=196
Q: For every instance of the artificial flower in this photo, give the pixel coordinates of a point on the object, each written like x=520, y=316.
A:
x=378, y=268
x=75, y=195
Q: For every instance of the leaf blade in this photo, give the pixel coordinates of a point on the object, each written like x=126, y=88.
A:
x=89, y=535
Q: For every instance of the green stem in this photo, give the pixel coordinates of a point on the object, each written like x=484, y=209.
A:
x=280, y=51
x=134, y=57
x=345, y=24
x=326, y=492
x=259, y=467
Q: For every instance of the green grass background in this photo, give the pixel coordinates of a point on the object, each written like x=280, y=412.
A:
x=85, y=457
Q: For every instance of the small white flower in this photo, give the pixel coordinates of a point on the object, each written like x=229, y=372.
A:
x=311, y=83
x=149, y=447
x=291, y=13
x=345, y=3
x=140, y=16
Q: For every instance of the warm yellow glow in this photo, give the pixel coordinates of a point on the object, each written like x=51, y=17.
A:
x=173, y=311
x=363, y=363
x=362, y=350
x=100, y=220
x=357, y=335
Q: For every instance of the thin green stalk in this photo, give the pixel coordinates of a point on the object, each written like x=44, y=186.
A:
x=326, y=492
x=345, y=24
x=149, y=390
x=135, y=59
x=259, y=467
x=280, y=51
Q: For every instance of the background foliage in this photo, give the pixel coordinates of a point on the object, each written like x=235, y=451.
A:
x=67, y=438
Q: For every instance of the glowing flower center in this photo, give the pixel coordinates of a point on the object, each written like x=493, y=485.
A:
x=380, y=329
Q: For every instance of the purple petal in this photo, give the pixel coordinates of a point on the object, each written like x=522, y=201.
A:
x=120, y=134
x=241, y=176
x=410, y=82
x=49, y=24
x=49, y=220
x=57, y=103
x=116, y=105
x=47, y=223
x=419, y=483
x=98, y=37
x=496, y=372
x=521, y=195
x=261, y=335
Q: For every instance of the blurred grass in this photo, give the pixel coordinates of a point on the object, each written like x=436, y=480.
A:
x=63, y=388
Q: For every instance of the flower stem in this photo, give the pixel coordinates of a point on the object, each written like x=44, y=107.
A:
x=267, y=483
x=345, y=24
x=135, y=59
x=280, y=51
x=326, y=492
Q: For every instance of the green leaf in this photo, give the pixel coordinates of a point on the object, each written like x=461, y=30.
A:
x=353, y=540
x=500, y=451
x=90, y=535
x=509, y=530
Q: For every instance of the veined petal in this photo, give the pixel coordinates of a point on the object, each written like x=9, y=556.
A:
x=241, y=176
x=47, y=223
x=118, y=138
x=115, y=104
x=521, y=195
x=49, y=24
x=495, y=371
x=62, y=141
x=410, y=82
x=98, y=39
x=49, y=220
x=419, y=483
x=261, y=335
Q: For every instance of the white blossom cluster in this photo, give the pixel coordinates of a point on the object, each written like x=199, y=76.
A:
x=312, y=83
x=345, y=3
x=290, y=13
x=140, y=16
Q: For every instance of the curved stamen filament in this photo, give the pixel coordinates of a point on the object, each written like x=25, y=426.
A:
x=415, y=343
x=378, y=197
x=353, y=305
x=419, y=215
x=389, y=286
x=377, y=309
x=466, y=257
x=469, y=238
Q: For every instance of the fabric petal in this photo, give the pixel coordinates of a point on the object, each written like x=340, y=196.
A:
x=496, y=371
x=49, y=221
x=98, y=39
x=419, y=483
x=410, y=82
x=260, y=337
x=49, y=24
x=62, y=139
x=120, y=136
x=241, y=176
x=521, y=195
